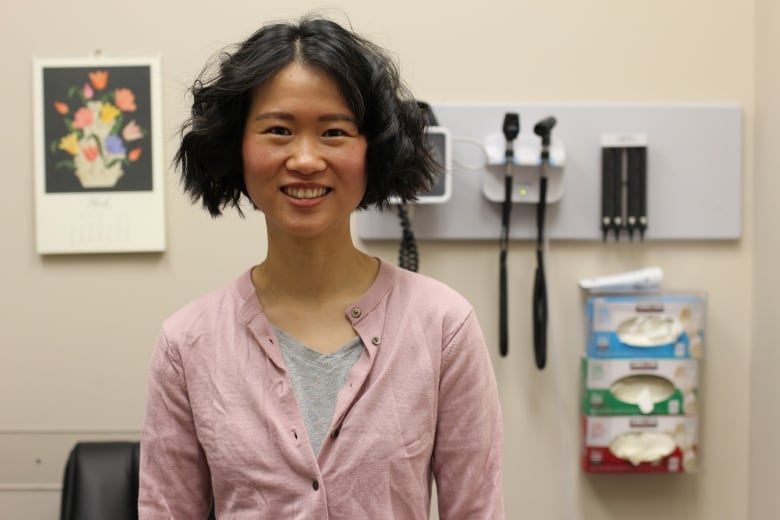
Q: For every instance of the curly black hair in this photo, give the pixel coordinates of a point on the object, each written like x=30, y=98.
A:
x=399, y=163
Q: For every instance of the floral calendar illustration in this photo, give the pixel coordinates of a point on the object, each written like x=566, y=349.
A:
x=98, y=158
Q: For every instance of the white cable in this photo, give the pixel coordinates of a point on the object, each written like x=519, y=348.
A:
x=478, y=144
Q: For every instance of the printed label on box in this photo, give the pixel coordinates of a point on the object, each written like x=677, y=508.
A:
x=657, y=326
x=639, y=386
x=654, y=444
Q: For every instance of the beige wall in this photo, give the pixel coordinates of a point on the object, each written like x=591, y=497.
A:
x=76, y=331
x=765, y=418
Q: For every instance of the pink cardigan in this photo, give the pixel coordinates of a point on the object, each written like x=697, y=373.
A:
x=420, y=403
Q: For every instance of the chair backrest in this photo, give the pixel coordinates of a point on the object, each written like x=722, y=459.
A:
x=101, y=482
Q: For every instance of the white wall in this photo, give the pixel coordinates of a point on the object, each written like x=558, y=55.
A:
x=76, y=331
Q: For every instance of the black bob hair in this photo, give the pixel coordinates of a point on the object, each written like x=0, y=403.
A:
x=399, y=163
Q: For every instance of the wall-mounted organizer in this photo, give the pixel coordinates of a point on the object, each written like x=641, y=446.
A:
x=640, y=383
x=624, y=185
x=693, y=173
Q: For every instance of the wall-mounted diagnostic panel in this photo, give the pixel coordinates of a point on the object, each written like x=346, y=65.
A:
x=674, y=171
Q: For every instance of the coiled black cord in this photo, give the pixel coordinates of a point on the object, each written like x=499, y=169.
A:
x=408, y=257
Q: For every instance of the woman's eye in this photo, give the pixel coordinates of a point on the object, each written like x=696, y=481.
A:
x=278, y=130
x=334, y=132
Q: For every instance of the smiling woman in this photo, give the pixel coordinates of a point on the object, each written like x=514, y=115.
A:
x=304, y=156
x=321, y=368
x=398, y=164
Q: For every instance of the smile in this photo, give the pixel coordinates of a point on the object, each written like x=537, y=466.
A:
x=305, y=193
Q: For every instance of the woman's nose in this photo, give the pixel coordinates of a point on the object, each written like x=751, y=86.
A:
x=305, y=156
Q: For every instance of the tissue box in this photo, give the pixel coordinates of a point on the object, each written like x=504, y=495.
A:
x=650, y=386
x=645, y=326
x=654, y=444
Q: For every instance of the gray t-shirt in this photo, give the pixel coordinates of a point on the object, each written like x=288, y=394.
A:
x=317, y=380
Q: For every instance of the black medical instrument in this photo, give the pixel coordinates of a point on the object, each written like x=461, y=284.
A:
x=543, y=129
x=611, y=189
x=642, y=168
x=636, y=207
x=511, y=129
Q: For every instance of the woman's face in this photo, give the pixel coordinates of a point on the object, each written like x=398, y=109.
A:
x=304, y=159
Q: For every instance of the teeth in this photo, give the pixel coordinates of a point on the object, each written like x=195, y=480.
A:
x=305, y=193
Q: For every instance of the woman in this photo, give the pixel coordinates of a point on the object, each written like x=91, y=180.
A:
x=323, y=382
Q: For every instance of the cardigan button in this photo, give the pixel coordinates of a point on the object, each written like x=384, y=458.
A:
x=315, y=485
x=356, y=312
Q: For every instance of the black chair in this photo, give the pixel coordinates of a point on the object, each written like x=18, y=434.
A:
x=101, y=482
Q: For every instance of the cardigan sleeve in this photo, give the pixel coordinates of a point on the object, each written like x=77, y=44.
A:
x=469, y=437
x=174, y=480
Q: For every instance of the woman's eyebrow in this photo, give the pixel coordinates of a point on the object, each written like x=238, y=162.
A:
x=274, y=115
x=286, y=116
x=338, y=117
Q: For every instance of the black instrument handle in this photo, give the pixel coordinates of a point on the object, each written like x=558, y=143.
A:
x=642, y=182
x=634, y=190
x=540, y=317
x=503, y=322
x=607, y=190
x=503, y=325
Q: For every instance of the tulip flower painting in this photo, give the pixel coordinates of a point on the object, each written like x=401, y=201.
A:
x=102, y=133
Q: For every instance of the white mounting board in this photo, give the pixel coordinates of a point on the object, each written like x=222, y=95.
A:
x=694, y=174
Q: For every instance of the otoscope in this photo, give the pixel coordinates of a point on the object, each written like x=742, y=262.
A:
x=543, y=129
x=511, y=130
